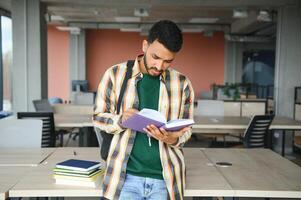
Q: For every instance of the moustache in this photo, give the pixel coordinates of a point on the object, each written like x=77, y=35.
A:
x=155, y=68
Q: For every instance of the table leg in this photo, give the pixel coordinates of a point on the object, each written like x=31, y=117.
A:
x=283, y=143
x=270, y=139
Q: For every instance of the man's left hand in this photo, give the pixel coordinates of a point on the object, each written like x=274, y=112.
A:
x=168, y=137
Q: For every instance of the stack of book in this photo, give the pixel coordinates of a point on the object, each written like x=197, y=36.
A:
x=78, y=173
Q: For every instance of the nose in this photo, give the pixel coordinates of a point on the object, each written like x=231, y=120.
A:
x=159, y=64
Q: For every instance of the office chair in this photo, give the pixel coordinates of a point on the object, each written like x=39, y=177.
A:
x=256, y=134
x=42, y=105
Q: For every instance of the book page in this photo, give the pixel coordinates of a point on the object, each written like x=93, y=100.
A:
x=177, y=124
x=153, y=114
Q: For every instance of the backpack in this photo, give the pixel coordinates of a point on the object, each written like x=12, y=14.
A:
x=105, y=139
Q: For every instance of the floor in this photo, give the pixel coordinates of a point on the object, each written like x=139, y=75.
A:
x=193, y=142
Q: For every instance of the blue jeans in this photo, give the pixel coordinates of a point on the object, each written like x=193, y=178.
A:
x=141, y=188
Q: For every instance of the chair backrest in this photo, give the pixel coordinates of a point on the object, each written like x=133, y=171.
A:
x=42, y=105
x=48, y=131
x=256, y=134
x=209, y=108
x=17, y=133
x=55, y=100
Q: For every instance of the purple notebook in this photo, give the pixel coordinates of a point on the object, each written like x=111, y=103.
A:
x=147, y=116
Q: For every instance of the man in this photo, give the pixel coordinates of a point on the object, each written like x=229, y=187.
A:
x=146, y=166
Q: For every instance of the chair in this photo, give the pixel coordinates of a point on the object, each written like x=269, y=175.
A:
x=42, y=105
x=48, y=131
x=55, y=100
x=16, y=133
x=256, y=134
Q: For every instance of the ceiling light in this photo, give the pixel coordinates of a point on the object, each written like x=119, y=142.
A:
x=56, y=18
x=202, y=20
x=141, y=12
x=73, y=30
x=130, y=29
x=192, y=30
x=127, y=19
x=238, y=13
x=264, y=16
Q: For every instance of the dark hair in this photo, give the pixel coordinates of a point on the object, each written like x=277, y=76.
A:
x=167, y=33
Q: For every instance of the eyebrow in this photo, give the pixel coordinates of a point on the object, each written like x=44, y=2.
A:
x=162, y=58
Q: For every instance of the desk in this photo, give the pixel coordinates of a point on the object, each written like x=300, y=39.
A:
x=23, y=157
x=201, y=178
x=206, y=123
x=72, y=121
x=16, y=163
x=254, y=173
x=258, y=172
x=82, y=121
x=228, y=124
x=9, y=176
x=40, y=182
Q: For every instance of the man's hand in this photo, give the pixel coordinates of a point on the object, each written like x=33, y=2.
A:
x=126, y=114
x=168, y=137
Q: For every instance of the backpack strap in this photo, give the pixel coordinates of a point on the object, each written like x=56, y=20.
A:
x=129, y=70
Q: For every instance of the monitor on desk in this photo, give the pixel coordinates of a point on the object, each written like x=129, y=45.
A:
x=79, y=85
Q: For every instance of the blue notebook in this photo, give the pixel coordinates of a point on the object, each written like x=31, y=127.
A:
x=79, y=165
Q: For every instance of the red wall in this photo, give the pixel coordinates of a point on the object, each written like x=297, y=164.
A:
x=201, y=58
x=58, y=63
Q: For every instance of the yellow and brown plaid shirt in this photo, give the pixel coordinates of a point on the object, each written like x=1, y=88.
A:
x=175, y=102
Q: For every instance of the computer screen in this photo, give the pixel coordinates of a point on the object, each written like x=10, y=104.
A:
x=80, y=85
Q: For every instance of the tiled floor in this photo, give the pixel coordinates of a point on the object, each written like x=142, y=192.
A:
x=200, y=142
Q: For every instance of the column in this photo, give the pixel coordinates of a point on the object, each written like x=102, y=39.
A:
x=29, y=71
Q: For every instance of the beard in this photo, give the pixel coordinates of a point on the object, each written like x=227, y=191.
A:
x=149, y=68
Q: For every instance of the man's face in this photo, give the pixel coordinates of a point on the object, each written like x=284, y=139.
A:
x=157, y=58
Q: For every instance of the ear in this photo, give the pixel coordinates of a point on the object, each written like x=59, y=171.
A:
x=144, y=46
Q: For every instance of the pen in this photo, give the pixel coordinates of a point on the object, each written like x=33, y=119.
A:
x=149, y=141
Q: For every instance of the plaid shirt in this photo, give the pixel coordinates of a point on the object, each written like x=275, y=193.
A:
x=175, y=101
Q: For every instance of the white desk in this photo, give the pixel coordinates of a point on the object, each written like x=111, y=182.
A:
x=9, y=176
x=72, y=121
x=81, y=121
x=254, y=173
x=258, y=173
x=240, y=123
x=24, y=156
x=201, y=178
x=41, y=183
x=233, y=124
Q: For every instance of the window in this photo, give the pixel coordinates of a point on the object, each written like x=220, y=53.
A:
x=5, y=63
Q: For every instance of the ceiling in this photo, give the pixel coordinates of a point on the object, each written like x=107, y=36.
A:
x=191, y=15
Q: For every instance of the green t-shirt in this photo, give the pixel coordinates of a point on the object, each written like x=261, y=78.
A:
x=145, y=160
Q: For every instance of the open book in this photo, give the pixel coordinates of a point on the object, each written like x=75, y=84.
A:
x=148, y=116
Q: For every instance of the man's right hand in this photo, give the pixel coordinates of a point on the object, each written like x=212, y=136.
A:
x=126, y=114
